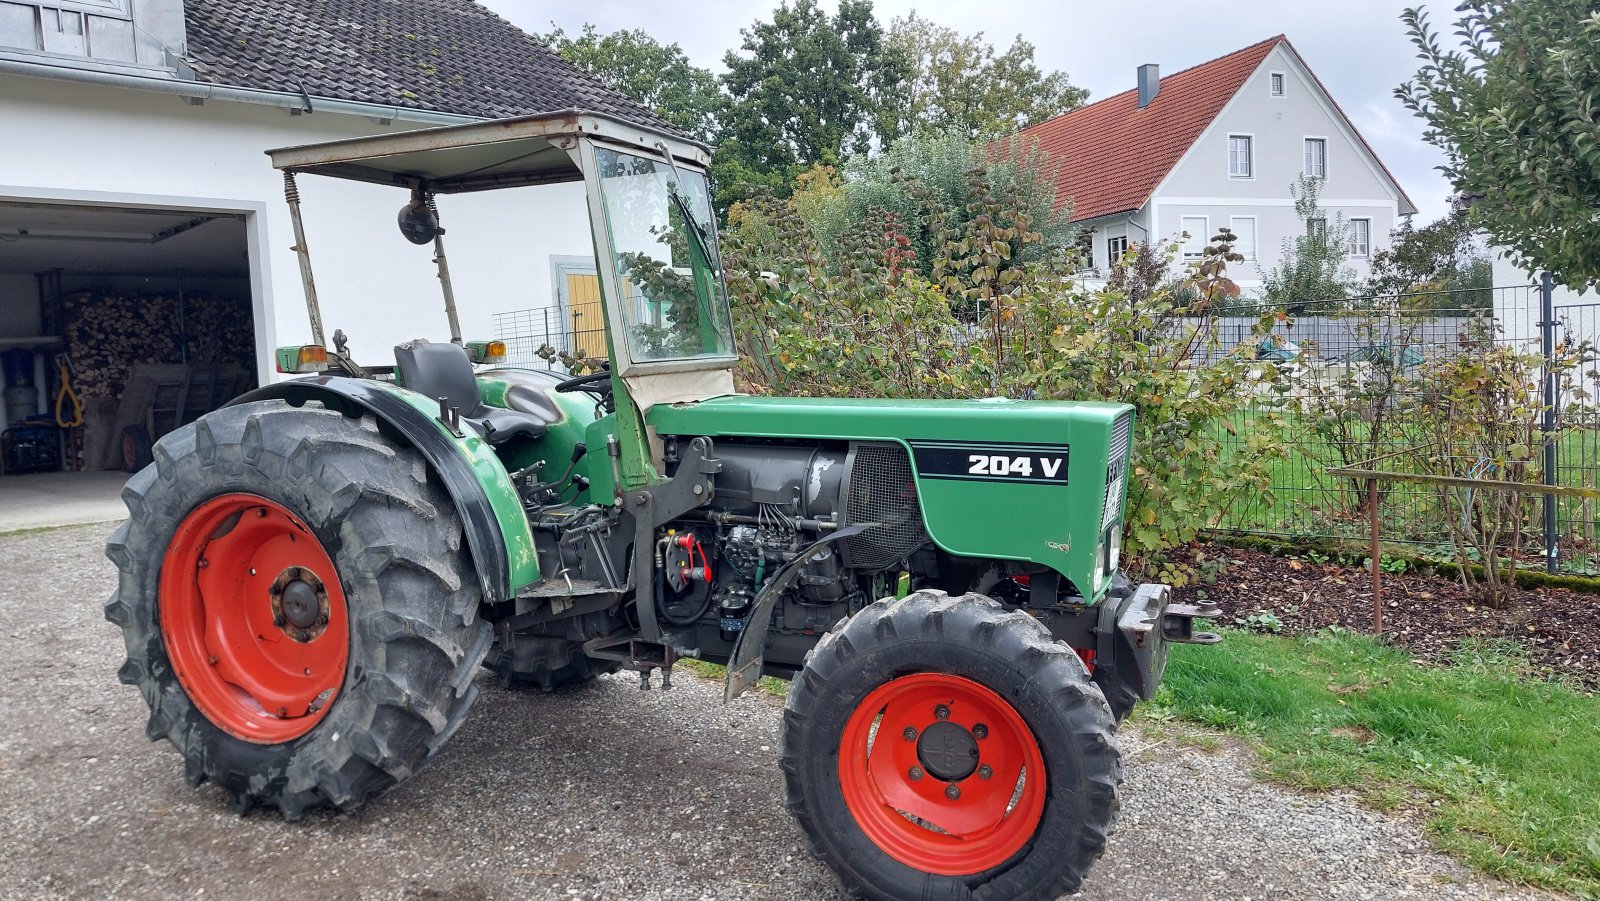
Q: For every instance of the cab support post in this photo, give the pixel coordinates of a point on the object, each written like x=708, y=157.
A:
x=291, y=193
x=444, y=277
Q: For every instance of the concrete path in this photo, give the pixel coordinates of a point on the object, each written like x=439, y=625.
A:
x=41, y=500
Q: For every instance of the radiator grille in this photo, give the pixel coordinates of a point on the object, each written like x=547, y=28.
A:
x=882, y=490
x=1117, y=471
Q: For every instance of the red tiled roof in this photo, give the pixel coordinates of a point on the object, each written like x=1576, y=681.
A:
x=1112, y=154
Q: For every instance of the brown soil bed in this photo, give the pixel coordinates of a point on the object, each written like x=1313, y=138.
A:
x=1427, y=615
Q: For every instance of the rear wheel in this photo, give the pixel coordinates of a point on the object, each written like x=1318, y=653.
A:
x=940, y=747
x=299, y=612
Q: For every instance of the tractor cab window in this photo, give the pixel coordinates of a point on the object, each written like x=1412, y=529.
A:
x=664, y=250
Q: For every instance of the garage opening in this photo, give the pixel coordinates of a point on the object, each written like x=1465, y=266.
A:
x=117, y=325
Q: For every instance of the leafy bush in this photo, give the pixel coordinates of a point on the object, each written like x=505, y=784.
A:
x=980, y=323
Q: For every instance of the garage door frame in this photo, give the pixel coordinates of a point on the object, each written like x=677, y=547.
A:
x=254, y=213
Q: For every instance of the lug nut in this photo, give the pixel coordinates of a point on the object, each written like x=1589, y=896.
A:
x=941, y=712
x=980, y=731
x=278, y=620
x=252, y=570
x=916, y=773
x=308, y=672
x=952, y=792
x=910, y=733
x=984, y=772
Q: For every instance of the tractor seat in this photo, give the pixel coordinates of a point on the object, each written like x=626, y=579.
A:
x=443, y=370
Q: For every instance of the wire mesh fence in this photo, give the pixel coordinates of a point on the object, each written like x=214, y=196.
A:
x=1357, y=390
x=525, y=332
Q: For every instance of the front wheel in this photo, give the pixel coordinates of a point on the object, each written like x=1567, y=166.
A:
x=939, y=747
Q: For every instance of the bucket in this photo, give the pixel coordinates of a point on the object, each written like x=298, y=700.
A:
x=18, y=366
x=21, y=402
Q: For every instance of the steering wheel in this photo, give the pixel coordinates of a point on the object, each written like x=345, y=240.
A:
x=596, y=383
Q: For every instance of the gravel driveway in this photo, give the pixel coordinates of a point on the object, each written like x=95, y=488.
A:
x=604, y=792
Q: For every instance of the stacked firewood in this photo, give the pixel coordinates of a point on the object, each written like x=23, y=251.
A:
x=107, y=332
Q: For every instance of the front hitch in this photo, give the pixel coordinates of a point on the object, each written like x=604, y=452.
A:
x=1141, y=628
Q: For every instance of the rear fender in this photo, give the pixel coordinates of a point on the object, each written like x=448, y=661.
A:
x=491, y=511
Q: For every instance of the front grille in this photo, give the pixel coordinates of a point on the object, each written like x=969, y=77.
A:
x=1117, y=470
x=882, y=490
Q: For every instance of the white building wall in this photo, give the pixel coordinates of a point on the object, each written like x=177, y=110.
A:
x=1199, y=185
x=1517, y=311
x=77, y=142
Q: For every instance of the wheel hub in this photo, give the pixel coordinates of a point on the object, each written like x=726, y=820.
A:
x=299, y=603
x=253, y=618
x=948, y=751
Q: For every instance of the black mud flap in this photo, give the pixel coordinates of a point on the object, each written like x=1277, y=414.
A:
x=749, y=652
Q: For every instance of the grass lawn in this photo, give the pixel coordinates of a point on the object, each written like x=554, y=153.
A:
x=1505, y=770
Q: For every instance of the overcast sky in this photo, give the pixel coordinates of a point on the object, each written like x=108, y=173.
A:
x=1357, y=47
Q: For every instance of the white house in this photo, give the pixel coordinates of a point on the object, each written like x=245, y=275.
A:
x=131, y=161
x=1219, y=145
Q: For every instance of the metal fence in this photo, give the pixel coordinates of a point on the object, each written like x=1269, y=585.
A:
x=1350, y=367
x=526, y=331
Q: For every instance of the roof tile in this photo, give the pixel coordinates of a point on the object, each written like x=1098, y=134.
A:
x=1112, y=154
x=449, y=56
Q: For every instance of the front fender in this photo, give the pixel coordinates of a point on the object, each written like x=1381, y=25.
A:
x=491, y=511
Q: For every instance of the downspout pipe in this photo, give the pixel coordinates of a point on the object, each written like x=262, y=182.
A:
x=199, y=90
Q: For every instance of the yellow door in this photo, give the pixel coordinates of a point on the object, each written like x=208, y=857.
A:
x=587, y=318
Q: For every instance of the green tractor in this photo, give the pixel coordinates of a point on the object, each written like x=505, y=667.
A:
x=311, y=577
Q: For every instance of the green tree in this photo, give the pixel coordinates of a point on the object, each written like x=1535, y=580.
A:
x=1516, y=111
x=919, y=170
x=1312, y=269
x=958, y=84
x=805, y=88
x=1440, y=263
x=647, y=72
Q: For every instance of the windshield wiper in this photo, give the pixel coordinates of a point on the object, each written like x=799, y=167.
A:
x=702, y=239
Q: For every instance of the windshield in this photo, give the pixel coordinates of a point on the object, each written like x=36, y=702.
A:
x=663, y=248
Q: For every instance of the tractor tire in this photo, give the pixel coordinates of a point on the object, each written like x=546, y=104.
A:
x=299, y=610
x=954, y=714
x=546, y=662
x=135, y=447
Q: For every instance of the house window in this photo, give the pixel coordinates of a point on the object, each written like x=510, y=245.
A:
x=1244, y=233
x=1195, y=230
x=1115, y=248
x=1239, y=161
x=1317, y=228
x=1360, y=237
x=1277, y=84
x=1316, y=157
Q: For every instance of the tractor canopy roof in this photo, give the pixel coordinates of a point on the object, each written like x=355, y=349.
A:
x=482, y=156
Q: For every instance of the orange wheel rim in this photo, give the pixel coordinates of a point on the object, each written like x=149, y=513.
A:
x=942, y=774
x=254, y=618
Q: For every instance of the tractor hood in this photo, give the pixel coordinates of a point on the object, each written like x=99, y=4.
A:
x=1039, y=481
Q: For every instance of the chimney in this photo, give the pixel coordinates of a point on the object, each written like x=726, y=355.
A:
x=1149, y=83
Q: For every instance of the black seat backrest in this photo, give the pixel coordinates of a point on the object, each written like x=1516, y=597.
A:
x=440, y=370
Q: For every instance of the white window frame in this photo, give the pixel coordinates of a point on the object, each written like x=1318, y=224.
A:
x=1277, y=84
x=1366, y=250
x=1250, y=158
x=1305, y=153
x=1255, y=236
x=1204, y=236
x=1113, y=255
